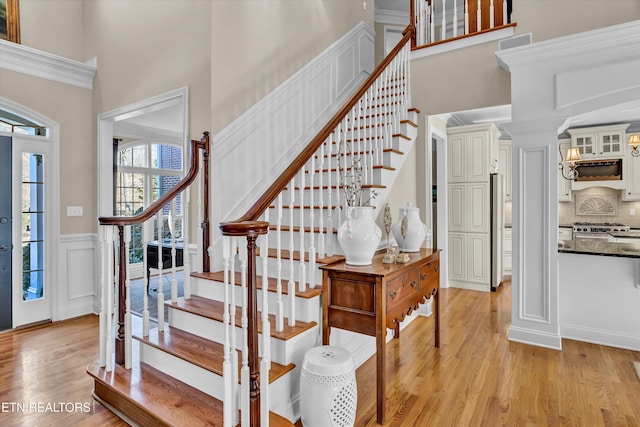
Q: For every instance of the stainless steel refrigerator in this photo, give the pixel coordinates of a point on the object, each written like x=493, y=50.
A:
x=496, y=232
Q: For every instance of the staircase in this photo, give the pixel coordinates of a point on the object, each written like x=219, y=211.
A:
x=202, y=366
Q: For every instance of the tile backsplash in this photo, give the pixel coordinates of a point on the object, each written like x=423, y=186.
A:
x=599, y=201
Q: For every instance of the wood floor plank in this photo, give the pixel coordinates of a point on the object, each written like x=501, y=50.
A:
x=479, y=378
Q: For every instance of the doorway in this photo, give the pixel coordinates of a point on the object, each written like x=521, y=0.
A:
x=5, y=233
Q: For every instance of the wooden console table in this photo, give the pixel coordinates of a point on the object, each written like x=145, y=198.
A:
x=369, y=299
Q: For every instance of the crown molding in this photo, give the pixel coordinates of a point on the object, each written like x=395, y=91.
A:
x=394, y=17
x=616, y=41
x=34, y=62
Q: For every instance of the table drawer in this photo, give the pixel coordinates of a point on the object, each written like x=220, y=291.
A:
x=429, y=277
x=402, y=290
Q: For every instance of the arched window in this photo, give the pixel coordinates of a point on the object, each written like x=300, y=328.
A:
x=146, y=171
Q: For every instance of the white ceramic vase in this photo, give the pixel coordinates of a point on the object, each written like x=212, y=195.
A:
x=359, y=235
x=416, y=230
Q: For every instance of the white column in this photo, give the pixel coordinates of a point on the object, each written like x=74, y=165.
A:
x=535, y=308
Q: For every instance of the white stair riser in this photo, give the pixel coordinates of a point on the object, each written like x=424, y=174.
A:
x=307, y=309
x=285, y=240
x=205, y=380
x=272, y=266
x=214, y=331
x=197, y=377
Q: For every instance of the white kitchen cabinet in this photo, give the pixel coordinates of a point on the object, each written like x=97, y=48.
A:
x=631, y=171
x=469, y=207
x=565, y=233
x=508, y=250
x=504, y=167
x=469, y=263
x=472, y=152
x=603, y=142
x=564, y=185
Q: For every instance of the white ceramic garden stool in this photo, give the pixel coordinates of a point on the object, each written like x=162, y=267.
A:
x=328, y=391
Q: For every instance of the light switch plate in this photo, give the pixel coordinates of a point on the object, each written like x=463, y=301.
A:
x=74, y=210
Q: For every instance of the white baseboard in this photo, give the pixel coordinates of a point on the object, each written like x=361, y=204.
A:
x=601, y=337
x=537, y=338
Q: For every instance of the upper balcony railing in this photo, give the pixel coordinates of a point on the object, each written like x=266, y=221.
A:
x=439, y=21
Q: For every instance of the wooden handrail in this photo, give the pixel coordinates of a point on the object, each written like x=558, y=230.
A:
x=281, y=182
x=155, y=207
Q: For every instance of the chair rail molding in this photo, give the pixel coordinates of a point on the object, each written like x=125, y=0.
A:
x=37, y=63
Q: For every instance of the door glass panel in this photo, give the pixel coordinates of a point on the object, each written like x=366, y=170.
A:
x=33, y=286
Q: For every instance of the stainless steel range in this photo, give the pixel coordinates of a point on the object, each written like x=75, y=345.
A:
x=591, y=230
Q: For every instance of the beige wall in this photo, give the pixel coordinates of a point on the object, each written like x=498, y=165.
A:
x=54, y=26
x=70, y=107
x=146, y=48
x=256, y=45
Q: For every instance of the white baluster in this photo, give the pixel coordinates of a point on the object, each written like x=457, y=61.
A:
x=443, y=24
x=432, y=27
x=312, y=246
x=145, y=279
x=479, y=18
x=266, y=327
x=186, y=253
x=279, y=303
x=244, y=322
x=330, y=224
x=128, y=336
x=102, y=288
x=174, y=280
x=321, y=230
x=229, y=408
x=505, y=18
x=291, y=284
x=491, y=18
x=454, y=24
x=302, y=273
x=466, y=16
x=110, y=287
x=160, y=266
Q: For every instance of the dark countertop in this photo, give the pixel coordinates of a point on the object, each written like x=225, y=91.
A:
x=600, y=247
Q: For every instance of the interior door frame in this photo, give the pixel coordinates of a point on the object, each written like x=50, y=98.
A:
x=52, y=200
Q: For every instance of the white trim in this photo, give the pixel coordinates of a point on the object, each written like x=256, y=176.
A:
x=536, y=338
x=394, y=17
x=487, y=37
x=603, y=43
x=78, y=275
x=600, y=337
x=106, y=122
x=27, y=60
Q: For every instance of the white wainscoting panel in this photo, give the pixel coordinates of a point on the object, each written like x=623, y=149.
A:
x=265, y=139
x=77, y=287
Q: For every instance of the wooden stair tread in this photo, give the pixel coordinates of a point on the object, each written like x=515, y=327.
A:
x=214, y=310
x=218, y=276
x=144, y=393
x=150, y=397
x=286, y=254
x=199, y=351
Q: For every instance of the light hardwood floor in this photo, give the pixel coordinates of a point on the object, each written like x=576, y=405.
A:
x=476, y=378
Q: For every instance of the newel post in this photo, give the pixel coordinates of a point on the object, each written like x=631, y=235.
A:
x=122, y=277
x=251, y=230
x=206, y=237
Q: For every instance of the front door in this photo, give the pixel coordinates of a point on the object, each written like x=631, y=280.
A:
x=32, y=241
x=5, y=232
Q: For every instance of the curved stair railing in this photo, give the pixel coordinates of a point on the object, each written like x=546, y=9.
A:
x=309, y=192
x=114, y=240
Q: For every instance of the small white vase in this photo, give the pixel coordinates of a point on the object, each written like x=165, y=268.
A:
x=416, y=230
x=359, y=235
